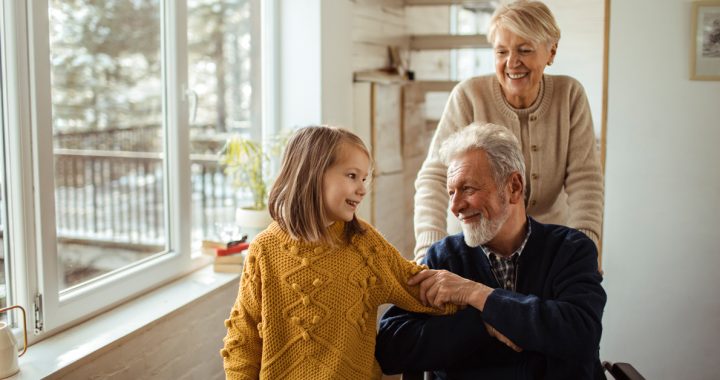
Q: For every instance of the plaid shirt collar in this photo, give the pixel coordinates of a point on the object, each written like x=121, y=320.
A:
x=505, y=268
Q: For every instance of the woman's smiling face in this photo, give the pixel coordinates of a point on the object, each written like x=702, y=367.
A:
x=519, y=66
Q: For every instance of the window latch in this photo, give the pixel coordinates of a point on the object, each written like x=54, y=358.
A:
x=38, y=313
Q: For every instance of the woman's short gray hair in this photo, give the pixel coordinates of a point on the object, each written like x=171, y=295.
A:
x=531, y=20
x=500, y=145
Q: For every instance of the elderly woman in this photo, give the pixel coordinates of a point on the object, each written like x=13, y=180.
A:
x=548, y=114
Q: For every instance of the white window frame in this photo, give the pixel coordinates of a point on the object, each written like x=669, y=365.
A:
x=29, y=165
x=62, y=308
x=19, y=203
x=266, y=34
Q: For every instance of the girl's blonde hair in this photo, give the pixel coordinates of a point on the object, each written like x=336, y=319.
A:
x=531, y=20
x=296, y=199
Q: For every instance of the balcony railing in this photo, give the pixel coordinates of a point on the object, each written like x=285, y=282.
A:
x=110, y=197
x=118, y=196
x=109, y=183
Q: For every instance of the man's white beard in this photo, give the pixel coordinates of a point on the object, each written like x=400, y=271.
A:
x=484, y=230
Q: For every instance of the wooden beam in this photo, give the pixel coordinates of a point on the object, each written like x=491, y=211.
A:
x=431, y=124
x=446, y=2
x=447, y=41
x=434, y=85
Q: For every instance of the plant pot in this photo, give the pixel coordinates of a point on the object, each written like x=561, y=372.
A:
x=252, y=222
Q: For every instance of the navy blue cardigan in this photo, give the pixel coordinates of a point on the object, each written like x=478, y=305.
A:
x=555, y=315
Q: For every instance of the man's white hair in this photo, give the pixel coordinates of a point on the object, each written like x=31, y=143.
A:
x=500, y=145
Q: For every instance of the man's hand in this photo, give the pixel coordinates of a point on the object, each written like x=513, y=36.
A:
x=502, y=338
x=438, y=287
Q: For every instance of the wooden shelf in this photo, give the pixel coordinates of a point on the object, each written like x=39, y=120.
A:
x=378, y=76
x=447, y=2
x=434, y=85
x=448, y=41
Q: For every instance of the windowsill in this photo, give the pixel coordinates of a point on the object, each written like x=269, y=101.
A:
x=62, y=352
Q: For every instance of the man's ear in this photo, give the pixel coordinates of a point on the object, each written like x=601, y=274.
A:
x=516, y=186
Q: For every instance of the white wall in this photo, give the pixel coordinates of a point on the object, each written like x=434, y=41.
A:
x=300, y=69
x=336, y=60
x=315, y=38
x=580, y=50
x=375, y=26
x=662, y=211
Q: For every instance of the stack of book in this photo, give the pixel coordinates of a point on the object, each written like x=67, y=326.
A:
x=227, y=258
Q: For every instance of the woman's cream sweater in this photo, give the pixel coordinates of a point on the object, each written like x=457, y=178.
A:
x=563, y=173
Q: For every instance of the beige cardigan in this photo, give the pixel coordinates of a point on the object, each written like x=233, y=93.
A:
x=563, y=170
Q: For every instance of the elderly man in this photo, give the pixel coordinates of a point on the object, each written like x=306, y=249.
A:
x=532, y=291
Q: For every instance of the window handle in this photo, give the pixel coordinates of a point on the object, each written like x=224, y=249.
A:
x=192, y=97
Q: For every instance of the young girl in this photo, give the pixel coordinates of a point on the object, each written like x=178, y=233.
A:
x=313, y=280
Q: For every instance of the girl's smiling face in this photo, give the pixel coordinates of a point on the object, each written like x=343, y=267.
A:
x=344, y=183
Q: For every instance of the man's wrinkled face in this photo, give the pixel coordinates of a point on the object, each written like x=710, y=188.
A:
x=474, y=197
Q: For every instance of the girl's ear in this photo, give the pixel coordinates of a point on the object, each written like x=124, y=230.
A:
x=516, y=187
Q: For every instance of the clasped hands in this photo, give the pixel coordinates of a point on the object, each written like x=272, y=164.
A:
x=438, y=287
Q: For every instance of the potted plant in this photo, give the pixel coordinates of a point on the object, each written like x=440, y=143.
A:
x=247, y=163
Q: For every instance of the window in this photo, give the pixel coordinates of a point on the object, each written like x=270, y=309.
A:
x=108, y=140
x=456, y=61
x=472, y=19
x=4, y=262
x=113, y=115
x=222, y=60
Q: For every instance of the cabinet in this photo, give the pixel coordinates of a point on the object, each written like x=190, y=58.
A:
x=389, y=117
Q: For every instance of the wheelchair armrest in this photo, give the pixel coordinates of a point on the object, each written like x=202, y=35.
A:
x=622, y=371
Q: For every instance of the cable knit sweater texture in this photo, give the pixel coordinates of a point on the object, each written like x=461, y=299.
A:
x=563, y=171
x=309, y=311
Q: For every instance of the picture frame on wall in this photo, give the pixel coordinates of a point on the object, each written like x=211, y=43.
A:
x=705, y=54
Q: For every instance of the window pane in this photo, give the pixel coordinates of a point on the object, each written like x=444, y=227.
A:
x=474, y=19
x=472, y=62
x=4, y=262
x=219, y=63
x=107, y=135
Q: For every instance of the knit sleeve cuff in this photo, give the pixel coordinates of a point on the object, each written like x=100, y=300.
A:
x=592, y=235
x=423, y=241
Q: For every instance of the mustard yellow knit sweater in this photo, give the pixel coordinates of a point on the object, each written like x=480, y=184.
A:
x=308, y=311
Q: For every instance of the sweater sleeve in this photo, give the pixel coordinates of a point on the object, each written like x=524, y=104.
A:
x=408, y=341
x=431, y=199
x=242, y=344
x=583, y=178
x=397, y=271
x=566, y=326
